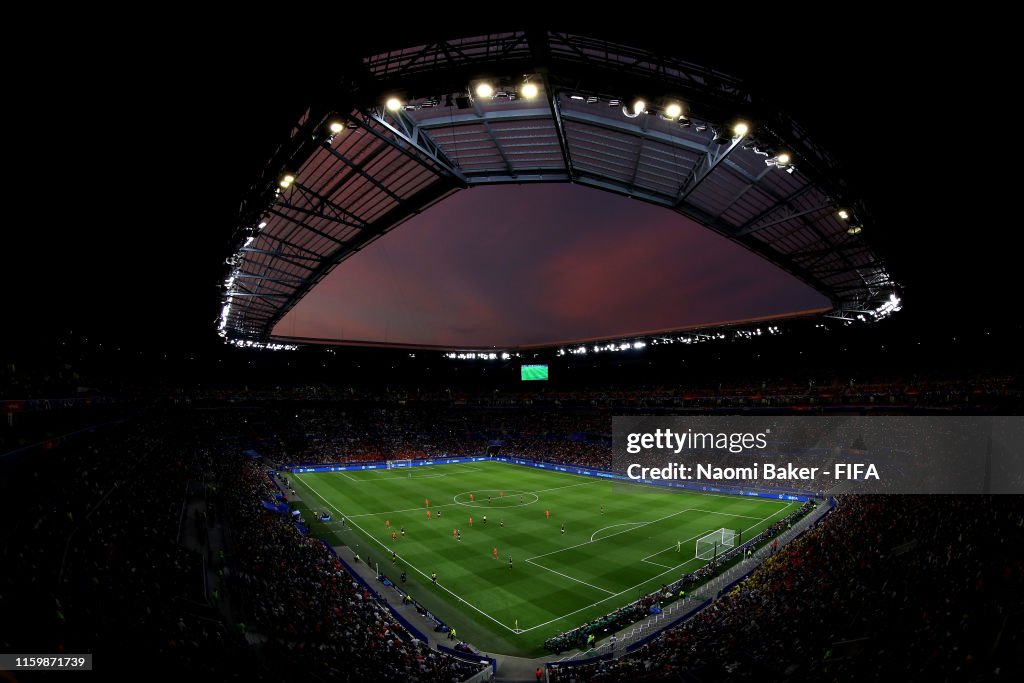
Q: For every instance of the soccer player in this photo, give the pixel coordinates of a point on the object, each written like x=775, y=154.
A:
x=438, y=514
x=433, y=577
x=394, y=558
x=495, y=552
x=471, y=498
x=488, y=500
x=563, y=528
x=428, y=514
x=501, y=522
x=459, y=537
x=455, y=532
x=387, y=523
x=501, y=494
x=485, y=520
x=403, y=531
x=471, y=520
x=602, y=508
x=426, y=502
x=510, y=562
x=679, y=546
x=547, y=514
x=393, y=536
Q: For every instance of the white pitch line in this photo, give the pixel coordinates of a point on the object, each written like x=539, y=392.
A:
x=603, y=590
x=417, y=569
x=728, y=514
x=664, y=566
x=612, y=527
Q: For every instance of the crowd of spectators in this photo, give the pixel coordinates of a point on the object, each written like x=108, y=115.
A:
x=315, y=615
x=91, y=556
x=91, y=544
x=95, y=562
x=884, y=588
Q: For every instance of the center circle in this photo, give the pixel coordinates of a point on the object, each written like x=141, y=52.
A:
x=493, y=498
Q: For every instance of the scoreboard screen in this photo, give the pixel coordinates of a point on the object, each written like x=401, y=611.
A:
x=533, y=372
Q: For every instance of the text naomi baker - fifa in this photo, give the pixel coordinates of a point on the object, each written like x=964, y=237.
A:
x=757, y=471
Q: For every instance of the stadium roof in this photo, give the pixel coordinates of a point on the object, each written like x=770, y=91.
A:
x=407, y=128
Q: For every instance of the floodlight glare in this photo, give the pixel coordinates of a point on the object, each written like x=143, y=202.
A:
x=484, y=90
x=673, y=111
x=740, y=129
x=336, y=127
x=843, y=214
x=286, y=180
x=783, y=159
x=639, y=107
x=393, y=104
x=529, y=90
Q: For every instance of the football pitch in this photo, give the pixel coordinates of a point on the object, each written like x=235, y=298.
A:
x=557, y=581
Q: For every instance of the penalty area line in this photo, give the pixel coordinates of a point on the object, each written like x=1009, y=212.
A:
x=571, y=578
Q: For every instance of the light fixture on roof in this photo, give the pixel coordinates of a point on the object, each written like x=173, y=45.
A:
x=286, y=181
x=393, y=104
x=335, y=127
x=740, y=129
x=529, y=90
x=638, y=107
x=854, y=230
x=484, y=90
x=782, y=159
x=843, y=214
x=673, y=111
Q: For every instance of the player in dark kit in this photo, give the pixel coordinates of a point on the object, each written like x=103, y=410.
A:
x=563, y=528
x=510, y=562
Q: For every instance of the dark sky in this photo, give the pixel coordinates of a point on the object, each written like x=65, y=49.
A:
x=132, y=150
x=521, y=265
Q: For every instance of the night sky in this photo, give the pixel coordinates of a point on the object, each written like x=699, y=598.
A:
x=535, y=264
x=135, y=149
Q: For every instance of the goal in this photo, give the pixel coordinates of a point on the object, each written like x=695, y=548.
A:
x=714, y=544
x=394, y=464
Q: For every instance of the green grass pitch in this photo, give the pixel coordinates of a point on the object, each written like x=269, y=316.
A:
x=557, y=581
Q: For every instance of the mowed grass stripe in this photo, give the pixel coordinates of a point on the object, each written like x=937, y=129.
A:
x=553, y=596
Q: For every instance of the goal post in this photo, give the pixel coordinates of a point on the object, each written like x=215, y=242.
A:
x=395, y=464
x=714, y=544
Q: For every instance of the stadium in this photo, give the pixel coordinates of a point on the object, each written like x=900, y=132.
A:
x=517, y=354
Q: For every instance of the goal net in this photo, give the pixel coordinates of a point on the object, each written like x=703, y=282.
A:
x=714, y=544
x=393, y=464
